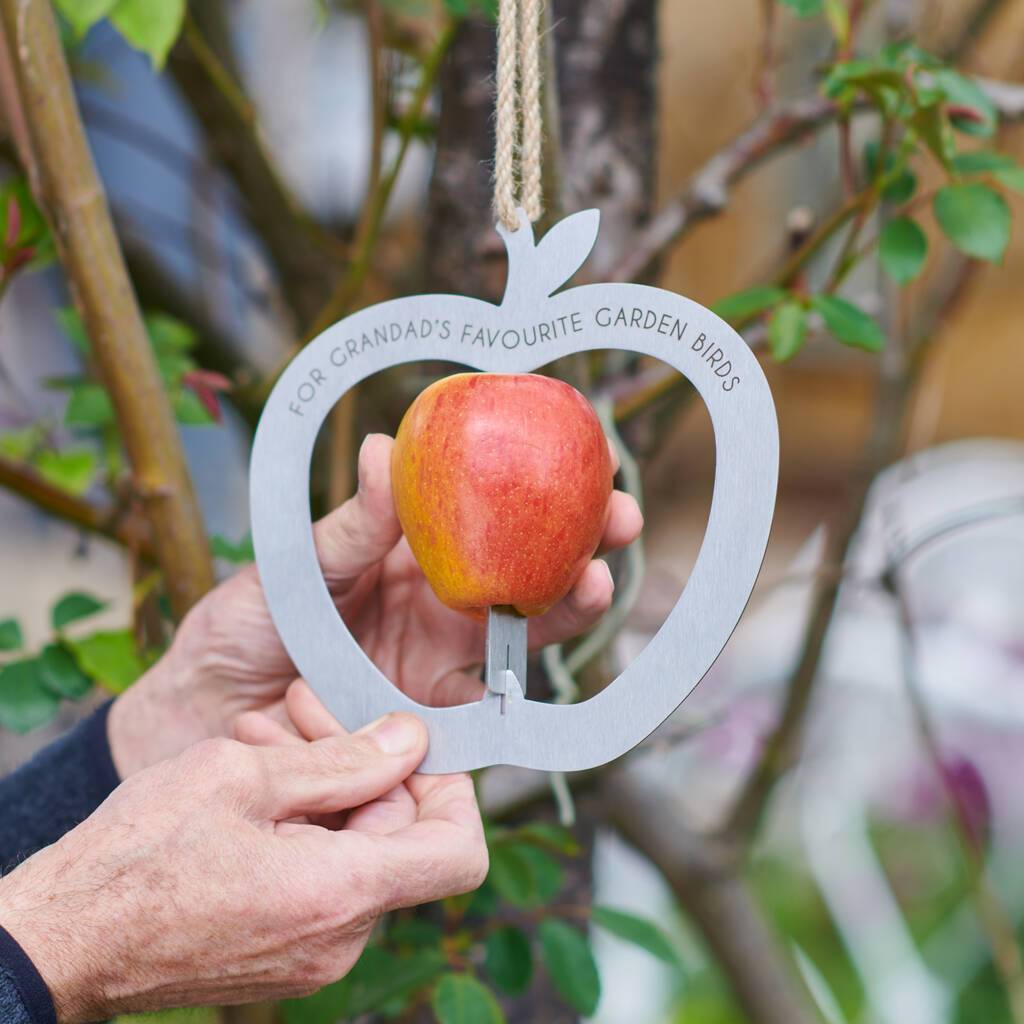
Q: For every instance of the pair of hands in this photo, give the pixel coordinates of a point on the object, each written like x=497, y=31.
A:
x=224, y=871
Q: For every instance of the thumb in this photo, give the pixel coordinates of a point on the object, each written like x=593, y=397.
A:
x=359, y=533
x=341, y=772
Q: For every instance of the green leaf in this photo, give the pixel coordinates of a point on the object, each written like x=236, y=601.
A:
x=838, y=18
x=61, y=674
x=961, y=91
x=151, y=26
x=72, y=607
x=570, y=963
x=110, y=658
x=71, y=324
x=638, y=930
x=1011, y=177
x=237, y=553
x=461, y=999
x=902, y=248
x=379, y=978
x=11, y=637
x=863, y=74
x=508, y=960
x=188, y=410
x=19, y=444
x=980, y=161
x=169, y=334
x=88, y=406
x=415, y=932
x=173, y=366
x=901, y=188
x=804, y=8
x=72, y=470
x=523, y=875
x=25, y=702
x=932, y=125
x=848, y=323
x=975, y=219
x=33, y=232
x=81, y=15
x=787, y=330
x=742, y=305
x=553, y=837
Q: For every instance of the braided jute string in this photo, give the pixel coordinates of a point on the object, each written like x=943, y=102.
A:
x=518, y=127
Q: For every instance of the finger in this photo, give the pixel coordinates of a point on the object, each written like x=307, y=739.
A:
x=341, y=772
x=359, y=533
x=388, y=814
x=260, y=730
x=309, y=715
x=588, y=600
x=625, y=521
x=392, y=811
x=443, y=852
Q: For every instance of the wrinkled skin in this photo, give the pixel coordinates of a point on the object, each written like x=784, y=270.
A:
x=203, y=880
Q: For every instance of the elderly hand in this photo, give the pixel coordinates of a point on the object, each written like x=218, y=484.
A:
x=202, y=880
x=227, y=658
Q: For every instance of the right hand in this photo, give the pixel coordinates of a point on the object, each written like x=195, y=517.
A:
x=201, y=881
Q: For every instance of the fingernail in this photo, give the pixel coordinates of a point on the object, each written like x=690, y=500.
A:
x=608, y=573
x=394, y=734
x=359, y=464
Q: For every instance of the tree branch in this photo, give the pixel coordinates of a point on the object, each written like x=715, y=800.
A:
x=704, y=878
x=64, y=181
x=106, y=521
x=706, y=194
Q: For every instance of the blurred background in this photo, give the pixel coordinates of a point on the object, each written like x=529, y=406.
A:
x=830, y=828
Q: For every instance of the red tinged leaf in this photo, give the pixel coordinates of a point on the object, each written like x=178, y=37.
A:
x=966, y=788
x=205, y=384
x=13, y=222
x=963, y=113
x=19, y=259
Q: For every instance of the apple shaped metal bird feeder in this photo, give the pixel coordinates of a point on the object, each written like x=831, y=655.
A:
x=531, y=327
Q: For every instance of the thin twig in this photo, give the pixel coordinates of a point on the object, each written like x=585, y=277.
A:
x=347, y=290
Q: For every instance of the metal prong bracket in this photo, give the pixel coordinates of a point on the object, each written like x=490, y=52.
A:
x=505, y=657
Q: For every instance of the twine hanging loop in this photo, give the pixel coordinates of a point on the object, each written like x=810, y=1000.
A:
x=518, y=120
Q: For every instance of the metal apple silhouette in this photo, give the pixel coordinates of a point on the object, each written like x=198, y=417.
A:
x=533, y=325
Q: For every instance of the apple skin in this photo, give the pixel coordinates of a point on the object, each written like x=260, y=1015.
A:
x=501, y=483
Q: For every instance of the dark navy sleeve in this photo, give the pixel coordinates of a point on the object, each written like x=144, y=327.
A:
x=24, y=997
x=59, y=788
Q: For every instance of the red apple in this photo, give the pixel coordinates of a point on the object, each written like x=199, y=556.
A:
x=501, y=483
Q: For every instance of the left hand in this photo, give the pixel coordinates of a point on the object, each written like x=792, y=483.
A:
x=227, y=658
